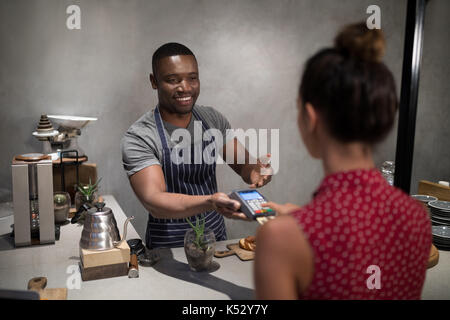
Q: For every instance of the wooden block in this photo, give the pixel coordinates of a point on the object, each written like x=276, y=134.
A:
x=103, y=272
x=434, y=189
x=95, y=258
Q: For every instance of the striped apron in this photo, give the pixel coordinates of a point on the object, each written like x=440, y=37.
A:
x=191, y=179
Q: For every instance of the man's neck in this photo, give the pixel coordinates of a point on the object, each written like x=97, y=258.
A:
x=176, y=119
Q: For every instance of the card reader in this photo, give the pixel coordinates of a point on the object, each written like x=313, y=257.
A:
x=251, y=201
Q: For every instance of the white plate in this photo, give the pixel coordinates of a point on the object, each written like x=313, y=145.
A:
x=440, y=213
x=71, y=121
x=441, y=205
x=441, y=231
x=442, y=244
x=423, y=198
x=439, y=223
x=444, y=223
x=45, y=134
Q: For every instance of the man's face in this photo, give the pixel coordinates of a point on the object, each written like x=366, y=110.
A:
x=177, y=82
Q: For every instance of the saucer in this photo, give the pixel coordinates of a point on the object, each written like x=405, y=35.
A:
x=442, y=232
x=440, y=205
x=424, y=198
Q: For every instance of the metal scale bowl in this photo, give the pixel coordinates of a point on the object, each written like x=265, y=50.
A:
x=69, y=130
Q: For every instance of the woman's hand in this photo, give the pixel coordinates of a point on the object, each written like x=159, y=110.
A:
x=281, y=209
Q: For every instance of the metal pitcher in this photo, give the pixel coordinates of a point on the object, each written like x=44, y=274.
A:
x=100, y=230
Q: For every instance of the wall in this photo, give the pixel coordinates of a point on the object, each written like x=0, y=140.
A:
x=432, y=139
x=250, y=55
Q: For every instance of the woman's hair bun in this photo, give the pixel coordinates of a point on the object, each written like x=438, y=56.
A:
x=358, y=41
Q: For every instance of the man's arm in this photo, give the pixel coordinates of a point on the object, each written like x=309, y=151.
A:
x=149, y=186
x=250, y=170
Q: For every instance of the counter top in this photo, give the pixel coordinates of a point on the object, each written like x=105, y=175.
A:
x=170, y=278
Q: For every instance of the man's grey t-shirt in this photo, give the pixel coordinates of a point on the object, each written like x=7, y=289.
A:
x=141, y=145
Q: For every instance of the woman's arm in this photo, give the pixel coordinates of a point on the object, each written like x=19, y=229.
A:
x=284, y=260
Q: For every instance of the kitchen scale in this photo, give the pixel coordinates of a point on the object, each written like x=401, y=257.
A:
x=65, y=137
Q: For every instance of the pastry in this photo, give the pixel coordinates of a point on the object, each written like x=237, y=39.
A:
x=248, y=243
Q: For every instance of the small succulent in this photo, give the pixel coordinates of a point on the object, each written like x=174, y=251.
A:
x=59, y=199
x=199, y=230
x=88, y=190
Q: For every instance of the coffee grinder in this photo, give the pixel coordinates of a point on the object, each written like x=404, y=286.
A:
x=32, y=182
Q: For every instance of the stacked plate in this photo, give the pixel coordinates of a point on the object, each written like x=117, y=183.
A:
x=440, y=213
x=441, y=237
x=425, y=199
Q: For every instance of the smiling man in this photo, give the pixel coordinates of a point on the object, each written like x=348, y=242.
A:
x=172, y=191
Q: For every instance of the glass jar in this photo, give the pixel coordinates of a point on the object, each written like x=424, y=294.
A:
x=199, y=249
x=81, y=199
x=388, y=171
x=61, y=205
x=34, y=215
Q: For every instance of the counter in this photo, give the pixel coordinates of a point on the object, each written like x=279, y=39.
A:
x=170, y=278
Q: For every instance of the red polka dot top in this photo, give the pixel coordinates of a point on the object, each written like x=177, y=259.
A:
x=369, y=239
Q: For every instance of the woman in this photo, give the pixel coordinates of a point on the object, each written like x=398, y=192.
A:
x=359, y=238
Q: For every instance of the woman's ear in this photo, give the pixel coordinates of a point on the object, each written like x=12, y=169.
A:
x=153, y=81
x=311, y=114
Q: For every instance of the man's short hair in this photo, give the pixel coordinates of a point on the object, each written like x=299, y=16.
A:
x=168, y=50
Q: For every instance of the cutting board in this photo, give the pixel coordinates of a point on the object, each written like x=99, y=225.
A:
x=434, y=257
x=38, y=284
x=234, y=248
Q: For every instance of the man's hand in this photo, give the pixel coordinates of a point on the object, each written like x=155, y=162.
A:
x=281, y=209
x=226, y=206
x=256, y=175
x=261, y=173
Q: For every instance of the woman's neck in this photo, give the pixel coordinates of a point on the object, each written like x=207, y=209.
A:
x=339, y=157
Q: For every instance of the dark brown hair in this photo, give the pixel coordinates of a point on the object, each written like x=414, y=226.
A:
x=351, y=88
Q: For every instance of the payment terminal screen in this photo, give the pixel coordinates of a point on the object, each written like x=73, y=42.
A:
x=251, y=195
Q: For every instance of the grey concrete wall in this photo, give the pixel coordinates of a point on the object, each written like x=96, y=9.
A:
x=432, y=140
x=250, y=55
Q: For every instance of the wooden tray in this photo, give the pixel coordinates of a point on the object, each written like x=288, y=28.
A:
x=434, y=257
x=434, y=189
x=234, y=248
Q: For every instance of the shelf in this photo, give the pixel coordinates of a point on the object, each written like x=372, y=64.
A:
x=70, y=160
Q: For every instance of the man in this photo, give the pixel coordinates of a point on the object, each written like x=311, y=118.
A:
x=172, y=191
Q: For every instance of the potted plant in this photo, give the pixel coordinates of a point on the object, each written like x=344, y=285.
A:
x=86, y=194
x=199, y=245
x=61, y=205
